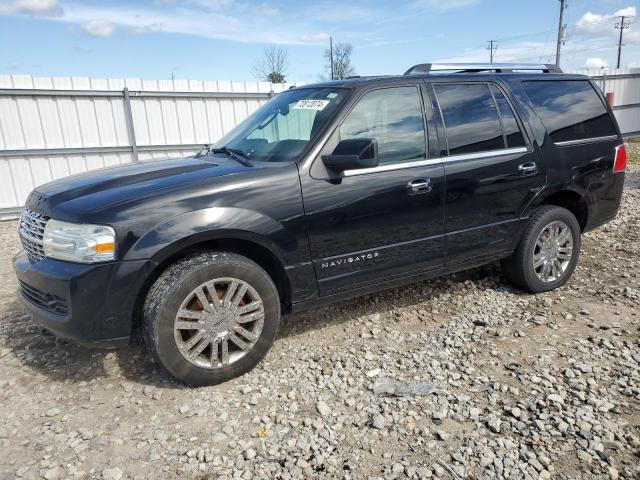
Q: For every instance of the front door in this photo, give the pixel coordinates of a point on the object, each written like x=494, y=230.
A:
x=492, y=169
x=372, y=225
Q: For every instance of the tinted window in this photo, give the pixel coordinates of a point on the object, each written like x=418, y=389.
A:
x=570, y=109
x=393, y=116
x=470, y=117
x=510, y=127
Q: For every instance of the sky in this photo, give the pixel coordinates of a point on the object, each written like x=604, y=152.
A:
x=223, y=39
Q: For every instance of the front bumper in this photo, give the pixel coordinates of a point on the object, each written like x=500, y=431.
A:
x=89, y=304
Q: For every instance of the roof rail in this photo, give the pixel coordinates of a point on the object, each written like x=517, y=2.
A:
x=424, y=68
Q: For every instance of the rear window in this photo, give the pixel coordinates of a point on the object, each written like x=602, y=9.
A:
x=570, y=109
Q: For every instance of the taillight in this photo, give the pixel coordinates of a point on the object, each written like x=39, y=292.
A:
x=620, y=163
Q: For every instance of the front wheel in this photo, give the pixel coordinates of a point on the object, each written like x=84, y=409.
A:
x=211, y=317
x=547, y=253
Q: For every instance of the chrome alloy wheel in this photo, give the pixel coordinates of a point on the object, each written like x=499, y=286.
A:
x=552, y=251
x=219, y=322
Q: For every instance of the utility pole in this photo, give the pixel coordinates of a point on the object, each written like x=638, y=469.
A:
x=331, y=56
x=622, y=26
x=492, y=47
x=561, y=28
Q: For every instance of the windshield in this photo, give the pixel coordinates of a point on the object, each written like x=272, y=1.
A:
x=282, y=128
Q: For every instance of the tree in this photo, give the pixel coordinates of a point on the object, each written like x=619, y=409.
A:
x=342, y=67
x=273, y=67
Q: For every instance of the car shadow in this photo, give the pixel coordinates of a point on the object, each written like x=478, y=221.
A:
x=26, y=344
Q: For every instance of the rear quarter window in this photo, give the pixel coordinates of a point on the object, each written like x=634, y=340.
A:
x=570, y=109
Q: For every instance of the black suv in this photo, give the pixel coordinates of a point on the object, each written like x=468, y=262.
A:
x=326, y=192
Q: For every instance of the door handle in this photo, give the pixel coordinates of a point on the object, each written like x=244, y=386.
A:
x=419, y=186
x=529, y=168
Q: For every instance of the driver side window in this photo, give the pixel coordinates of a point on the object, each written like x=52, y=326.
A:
x=393, y=116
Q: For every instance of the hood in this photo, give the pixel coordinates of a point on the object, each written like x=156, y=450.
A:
x=81, y=197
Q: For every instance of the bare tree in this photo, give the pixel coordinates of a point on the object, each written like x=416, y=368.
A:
x=342, y=67
x=273, y=67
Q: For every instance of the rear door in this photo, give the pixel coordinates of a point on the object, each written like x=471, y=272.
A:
x=371, y=225
x=492, y=169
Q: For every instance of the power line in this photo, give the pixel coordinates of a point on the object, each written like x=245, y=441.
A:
x=553, y=30
x=575, y=50
x=492, y=47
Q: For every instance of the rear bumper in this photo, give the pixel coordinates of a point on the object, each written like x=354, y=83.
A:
x=88, y=304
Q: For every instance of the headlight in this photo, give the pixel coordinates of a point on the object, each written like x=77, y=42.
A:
x=79, y=243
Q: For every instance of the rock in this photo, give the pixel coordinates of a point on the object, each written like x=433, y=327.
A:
x=494, y=423
x=53, y=473
x=323, y=409
x=554, y=397
x=584, y=456
x=112, y=473
x=184, y=409
x=384, y=386
x=250, y=453
x=160, y=436
x=378, y=422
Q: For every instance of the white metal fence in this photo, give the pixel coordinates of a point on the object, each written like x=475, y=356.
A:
x=624, y=83
x=55, y=127
x=52, y=127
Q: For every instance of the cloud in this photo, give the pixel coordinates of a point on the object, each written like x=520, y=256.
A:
x=627, y=12
x=37, y=8
x=315, y=38
x=596, y=62
x=99, y=28
x=185, y=17
x=443, y=4
x=602, y=27
x=332, y=13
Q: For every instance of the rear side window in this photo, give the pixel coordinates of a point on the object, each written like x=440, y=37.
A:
x=470, y=116
x=570, y=109
x=512, y=134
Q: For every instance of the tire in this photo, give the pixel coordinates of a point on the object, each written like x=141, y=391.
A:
x=519, y=268
x=180, y=288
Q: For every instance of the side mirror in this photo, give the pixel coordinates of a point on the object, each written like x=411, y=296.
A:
x=352, y=154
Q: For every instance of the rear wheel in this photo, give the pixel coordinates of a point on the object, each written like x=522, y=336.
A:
x=547, y=253
x=211, y=317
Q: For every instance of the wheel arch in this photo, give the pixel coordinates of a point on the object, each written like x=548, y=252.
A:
x=573, y=201
x=255, y=247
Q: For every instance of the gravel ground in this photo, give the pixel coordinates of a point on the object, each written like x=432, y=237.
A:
x=461, y=377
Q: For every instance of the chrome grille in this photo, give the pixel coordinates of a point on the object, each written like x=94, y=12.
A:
x=31, y=232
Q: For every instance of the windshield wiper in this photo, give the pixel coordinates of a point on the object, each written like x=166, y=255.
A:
x=236, y=154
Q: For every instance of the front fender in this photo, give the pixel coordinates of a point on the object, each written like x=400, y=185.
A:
x=213, y=223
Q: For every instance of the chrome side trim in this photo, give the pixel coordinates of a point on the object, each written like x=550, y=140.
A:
x=394, y=166
x=436, y=161
x=586, y=140
x=491, y=153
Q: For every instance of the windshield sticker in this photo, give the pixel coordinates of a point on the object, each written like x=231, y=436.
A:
x=311, y=104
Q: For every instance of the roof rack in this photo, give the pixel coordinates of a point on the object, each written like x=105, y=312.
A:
x=424, y=68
